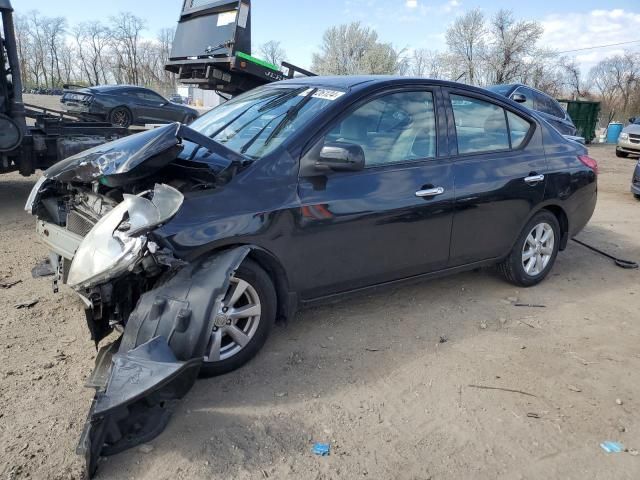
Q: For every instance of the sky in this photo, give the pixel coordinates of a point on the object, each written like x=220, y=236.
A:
x=299, y=24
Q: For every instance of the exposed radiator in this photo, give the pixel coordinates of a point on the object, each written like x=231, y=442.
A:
x=78, y=223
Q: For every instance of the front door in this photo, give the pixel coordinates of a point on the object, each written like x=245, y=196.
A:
x=393, y=219
x=499, y=176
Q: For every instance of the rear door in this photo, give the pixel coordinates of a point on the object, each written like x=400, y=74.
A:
x=391, y=220
x=499, y=172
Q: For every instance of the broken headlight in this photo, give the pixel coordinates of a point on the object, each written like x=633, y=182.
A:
x=116, y=243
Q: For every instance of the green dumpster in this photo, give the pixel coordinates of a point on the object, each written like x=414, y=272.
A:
x=584, y=115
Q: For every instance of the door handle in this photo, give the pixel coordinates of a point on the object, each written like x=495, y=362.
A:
x=430, y=192
x=534, y=179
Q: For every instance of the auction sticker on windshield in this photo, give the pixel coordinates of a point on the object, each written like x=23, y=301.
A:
x=323, y=94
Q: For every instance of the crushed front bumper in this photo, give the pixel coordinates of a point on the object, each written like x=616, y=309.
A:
x=139, y=378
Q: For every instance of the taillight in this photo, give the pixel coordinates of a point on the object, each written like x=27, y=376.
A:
x=589, y=162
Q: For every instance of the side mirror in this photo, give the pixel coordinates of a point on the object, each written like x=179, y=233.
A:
x=632, y=119
x=341, y=157
x=519, y=97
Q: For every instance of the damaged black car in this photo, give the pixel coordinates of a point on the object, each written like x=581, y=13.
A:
x=187, y=243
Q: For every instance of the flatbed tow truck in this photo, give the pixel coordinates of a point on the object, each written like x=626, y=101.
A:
x=49, y=135
x=220, y=58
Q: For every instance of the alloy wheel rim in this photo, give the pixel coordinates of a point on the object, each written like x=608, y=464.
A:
x=538, y=249
x=236, y=321
x=120, y=118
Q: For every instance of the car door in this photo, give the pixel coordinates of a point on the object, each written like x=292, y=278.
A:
x=392, y=219
x=499, y=173
x=154, y=108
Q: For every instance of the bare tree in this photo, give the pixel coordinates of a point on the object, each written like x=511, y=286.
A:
x=429, y=63
x=165, y=42
x=467, y=43
x=126, y=31
x=355, y=49
x=93, y=41
x=272, y=52
x=573, y=81
x=511, y=43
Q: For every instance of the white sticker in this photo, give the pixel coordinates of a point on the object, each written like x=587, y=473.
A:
x=225, y=18
x=243, y=15
x=323, y=94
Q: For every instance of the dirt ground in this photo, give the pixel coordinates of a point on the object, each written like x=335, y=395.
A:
x=387, y=379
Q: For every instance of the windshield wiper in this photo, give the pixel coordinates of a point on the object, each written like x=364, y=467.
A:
x=271, y=104
x=276, y=102
x=289, y=115
x=253, y=139
x=292, y=113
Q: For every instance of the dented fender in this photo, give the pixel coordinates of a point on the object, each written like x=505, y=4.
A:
x=140, y=377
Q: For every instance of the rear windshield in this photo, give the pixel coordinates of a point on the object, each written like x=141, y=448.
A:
x=255, y=123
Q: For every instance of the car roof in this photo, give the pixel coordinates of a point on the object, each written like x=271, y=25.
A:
x=115, y=88
x=351, y=82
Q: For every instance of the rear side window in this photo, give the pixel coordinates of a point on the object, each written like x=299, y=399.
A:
x=518, y=129
x=480, y=126
x=548, y=105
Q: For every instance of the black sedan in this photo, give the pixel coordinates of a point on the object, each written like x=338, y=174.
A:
x=125, y=105
x=193, y=240
x=546, y=106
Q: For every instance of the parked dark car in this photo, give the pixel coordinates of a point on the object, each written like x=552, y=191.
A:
x=548, y=107
x=193, y=240
x=125, y=105
x=635, y=181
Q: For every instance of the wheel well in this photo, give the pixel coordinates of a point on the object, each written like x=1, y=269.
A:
x=286, y=302
x=124, y=107
x=563, y=220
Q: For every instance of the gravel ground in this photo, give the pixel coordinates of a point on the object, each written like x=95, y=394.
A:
x=387, y=379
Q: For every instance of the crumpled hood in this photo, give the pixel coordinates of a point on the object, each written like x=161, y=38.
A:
x=121, y=161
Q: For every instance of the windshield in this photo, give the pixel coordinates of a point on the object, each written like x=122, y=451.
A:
x=255, y=123
x=501, y=89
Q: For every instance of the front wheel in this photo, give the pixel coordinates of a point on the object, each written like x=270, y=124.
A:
x=535, y=251
x=242, y=324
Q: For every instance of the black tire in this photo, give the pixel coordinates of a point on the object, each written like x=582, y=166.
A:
x=121, y=117
x=252, y=273
x=513, y=269
x=637, y=196
x=620, y=154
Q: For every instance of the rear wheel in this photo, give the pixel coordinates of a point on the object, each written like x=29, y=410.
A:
x=120, y=117
x=620, y=154
x=535, y=251
x=243, y=322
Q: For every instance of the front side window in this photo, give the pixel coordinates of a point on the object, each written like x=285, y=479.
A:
x=480, y=126
x=255, y=123
x=394, y=128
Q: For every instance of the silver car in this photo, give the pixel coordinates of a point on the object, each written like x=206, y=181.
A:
x=629, y=139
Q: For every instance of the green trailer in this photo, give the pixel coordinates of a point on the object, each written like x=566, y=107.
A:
x=585, y=115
